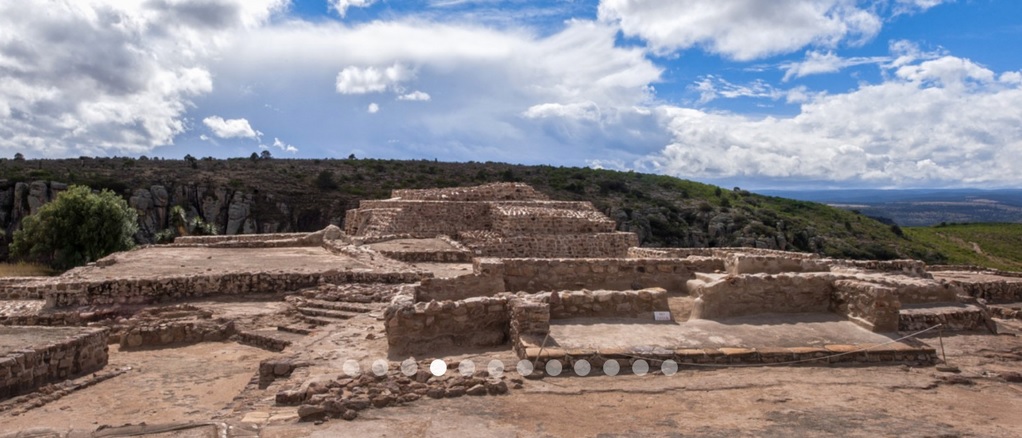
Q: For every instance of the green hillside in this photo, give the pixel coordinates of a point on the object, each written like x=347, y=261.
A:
x=992, y=245
x=305, y=195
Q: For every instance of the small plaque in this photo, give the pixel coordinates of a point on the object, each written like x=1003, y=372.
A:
x=662, y=316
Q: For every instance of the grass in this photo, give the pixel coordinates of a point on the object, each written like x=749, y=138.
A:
x=992, y=245
x=25, y=270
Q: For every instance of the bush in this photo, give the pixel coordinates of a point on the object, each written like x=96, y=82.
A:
x=76, y=228
x=325, y=181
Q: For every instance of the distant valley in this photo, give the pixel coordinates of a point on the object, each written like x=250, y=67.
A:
x=922, y=207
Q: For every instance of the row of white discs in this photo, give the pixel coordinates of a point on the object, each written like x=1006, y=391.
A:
x=410, y=367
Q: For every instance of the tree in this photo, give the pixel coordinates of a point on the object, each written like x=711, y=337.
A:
x=78, y=227
x=265, y=154
x=254, y=156
x=325, y=181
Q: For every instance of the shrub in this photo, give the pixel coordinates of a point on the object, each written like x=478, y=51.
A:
x=76, y=228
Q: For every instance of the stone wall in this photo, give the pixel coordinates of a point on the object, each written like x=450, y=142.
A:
x=760, y=293
x=149, y=291
x=605, y=303
x=911, y=268
x=716, y=252
x=550, y=245
x=82, y=351
x=973, y=268
x=487, y=192
x=22, y=288
x=994, y=291
x=952, y=317
x=739, y=263
x=872, y=306
x=165, y=333
x=492, y=276
x=513, y=220
x=475, y=322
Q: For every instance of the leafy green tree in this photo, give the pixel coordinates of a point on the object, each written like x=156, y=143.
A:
x=76, y=228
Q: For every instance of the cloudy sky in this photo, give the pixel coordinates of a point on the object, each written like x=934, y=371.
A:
x=761, y=94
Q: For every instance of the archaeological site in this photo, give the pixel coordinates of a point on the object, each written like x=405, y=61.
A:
x=495, y=311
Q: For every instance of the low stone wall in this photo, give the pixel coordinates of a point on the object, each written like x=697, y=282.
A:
x=997, y=291
x=716, y=252
x=552, y=245
x=953, y=318
x=164, y=333
x=529, y=317
x=149, y=291
x=476, y=322
x=459, y=288
x=421, y=219
x=739, y=263
x=492, y=276
x=22, y=370
x=973, y=268
x=605, y=303
x=872, y=306
x=911, y=268
x=829, y=354
x=761, y=293
x=514, y=220
x=206, y=240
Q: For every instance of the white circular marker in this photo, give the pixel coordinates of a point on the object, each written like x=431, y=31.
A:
x=351, y=368
x=409, y=367
x=495, y=368
x=524, y=367
x=611, y=367
x=640, y=367
x=669, y=367
x=380, y=367
x=553, y=368
x=438, y=367
x=582, y=368
x=467, y=368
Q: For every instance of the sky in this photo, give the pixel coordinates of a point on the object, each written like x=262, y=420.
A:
x=779, y=94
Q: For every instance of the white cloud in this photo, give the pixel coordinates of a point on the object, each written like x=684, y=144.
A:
x=419, y=96
x=817, y=62
x=357, y=80
x=945, y=121
x=373, y=108
x=96, y=77
x=341, y=6
x=743, y=29
x=284, y=146
x=711, y=87
x=577, y=111
x=231, y=128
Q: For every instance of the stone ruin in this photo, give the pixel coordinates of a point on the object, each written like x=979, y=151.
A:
x=494, y=220
x=537, y=273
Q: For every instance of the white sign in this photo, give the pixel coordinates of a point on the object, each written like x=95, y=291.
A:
x=662, y=316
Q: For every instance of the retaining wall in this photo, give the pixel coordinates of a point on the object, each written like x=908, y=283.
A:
x=82, y=351
x=149, y=291
x=552, y=245
x=761, y=293
x=997, y=291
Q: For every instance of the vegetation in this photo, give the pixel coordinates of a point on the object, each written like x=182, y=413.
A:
x=25, y=270
x=78, y=227
x=991, y=245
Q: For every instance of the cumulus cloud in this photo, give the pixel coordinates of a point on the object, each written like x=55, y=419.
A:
x=743, y=29
x=946, y=121
x=419, y=96
x=94, y=77
x=357, y=80
x=231, y=128
x=373, y=108
x=341, y=6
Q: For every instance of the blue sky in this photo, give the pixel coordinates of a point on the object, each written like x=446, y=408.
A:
x=751, y=93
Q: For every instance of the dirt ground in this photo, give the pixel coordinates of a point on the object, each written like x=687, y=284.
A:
x=216, y=381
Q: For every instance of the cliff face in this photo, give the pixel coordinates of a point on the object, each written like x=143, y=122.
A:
x=230, y=211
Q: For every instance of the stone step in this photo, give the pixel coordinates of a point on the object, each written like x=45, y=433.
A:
x=337, y=305
x=326, y=313
x=953, y=316
x=319, y=320
x=294, y=329
x=271, y=340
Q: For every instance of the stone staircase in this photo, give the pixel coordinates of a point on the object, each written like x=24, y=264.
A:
x=320, y=312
